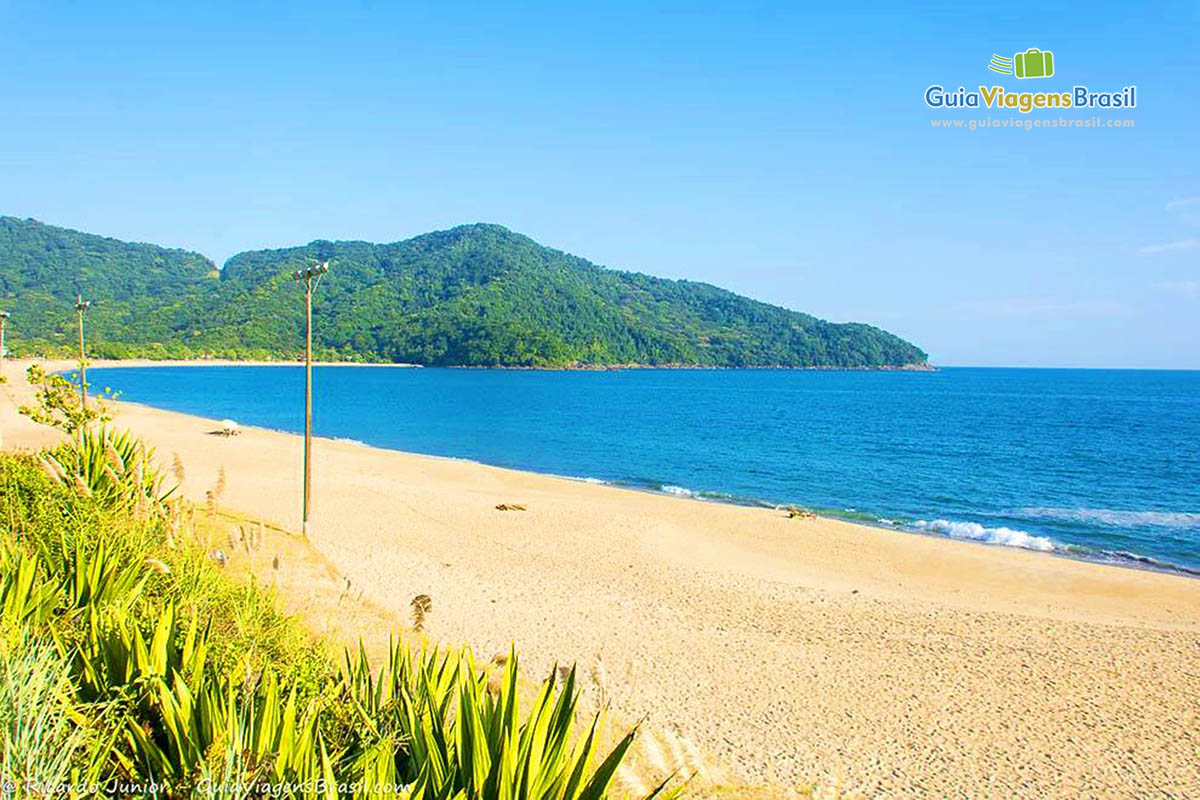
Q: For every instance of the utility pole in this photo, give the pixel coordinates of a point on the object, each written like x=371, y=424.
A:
x=81, y=306
x=4, y=315
x=310, y=277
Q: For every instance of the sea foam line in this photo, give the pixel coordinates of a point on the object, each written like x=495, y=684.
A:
x=1117, y=517
x=1008, y=537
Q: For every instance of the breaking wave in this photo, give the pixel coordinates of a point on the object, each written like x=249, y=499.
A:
x=973, y=530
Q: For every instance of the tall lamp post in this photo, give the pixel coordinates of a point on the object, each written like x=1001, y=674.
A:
x=81, y=306
x=4, y=315
x=310, y=278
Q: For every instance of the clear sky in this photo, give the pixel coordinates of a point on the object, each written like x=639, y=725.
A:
x=782, y=152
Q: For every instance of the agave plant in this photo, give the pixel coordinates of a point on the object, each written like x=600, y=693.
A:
x=95, y=577
x=429, y=726
x=464, y=734
x=114, y=468
x=26, y=596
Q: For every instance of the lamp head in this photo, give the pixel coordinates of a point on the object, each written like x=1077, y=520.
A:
x=312, y=272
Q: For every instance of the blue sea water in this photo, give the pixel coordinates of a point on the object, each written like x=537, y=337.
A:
x=1101, y=464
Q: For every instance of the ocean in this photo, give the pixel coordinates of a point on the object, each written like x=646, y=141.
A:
x=1095, y=464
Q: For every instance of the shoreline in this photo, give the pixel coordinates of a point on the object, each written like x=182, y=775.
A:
x=1128, y=561
x=124, y=363
x=791, y=651
x=686, y=495
x=229, y=362
x=884, y=520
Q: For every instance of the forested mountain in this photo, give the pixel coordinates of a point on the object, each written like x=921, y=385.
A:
x=139, y=289
x=474, y=295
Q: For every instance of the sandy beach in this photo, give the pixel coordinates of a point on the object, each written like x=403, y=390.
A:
x=790, y=651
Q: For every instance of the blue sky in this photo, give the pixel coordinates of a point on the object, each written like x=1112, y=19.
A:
x=781, y=152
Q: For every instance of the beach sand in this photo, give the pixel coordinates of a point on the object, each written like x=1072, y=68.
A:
x=791, y=651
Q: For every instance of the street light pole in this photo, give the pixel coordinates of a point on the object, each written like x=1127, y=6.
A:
x=4, y=315
x=310, y=277
x=81, y=306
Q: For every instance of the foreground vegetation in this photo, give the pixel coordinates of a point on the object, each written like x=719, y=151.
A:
x=477, y=295
x=130, y=665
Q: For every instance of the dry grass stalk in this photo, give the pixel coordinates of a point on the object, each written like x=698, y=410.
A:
x=158, y=566
x=628, y=784
x=113, y=457
x=678, y=760
x=112, y=474
x=422, y=605
x=685, y=758
x=212, y=497
x=599, y=676
x=177, y=469
x=143, y=496
x=652, y=753
x=694, y=761
x=52, y=468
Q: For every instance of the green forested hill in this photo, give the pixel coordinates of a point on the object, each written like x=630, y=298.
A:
x=139, y=288
x=474, y=295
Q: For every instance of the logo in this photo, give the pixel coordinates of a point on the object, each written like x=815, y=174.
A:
x=1033, y=63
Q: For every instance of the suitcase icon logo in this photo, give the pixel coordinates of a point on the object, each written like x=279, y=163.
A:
x=1033, y=63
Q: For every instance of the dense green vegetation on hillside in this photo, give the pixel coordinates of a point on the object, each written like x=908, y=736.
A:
x=475, y=295
x=139, y=288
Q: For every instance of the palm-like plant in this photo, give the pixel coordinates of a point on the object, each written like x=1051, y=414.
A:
x=115, y=468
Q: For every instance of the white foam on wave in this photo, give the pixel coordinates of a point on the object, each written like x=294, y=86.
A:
x=973, y=530
x=1117, y=517
x=580, y=478
x=678, y=491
